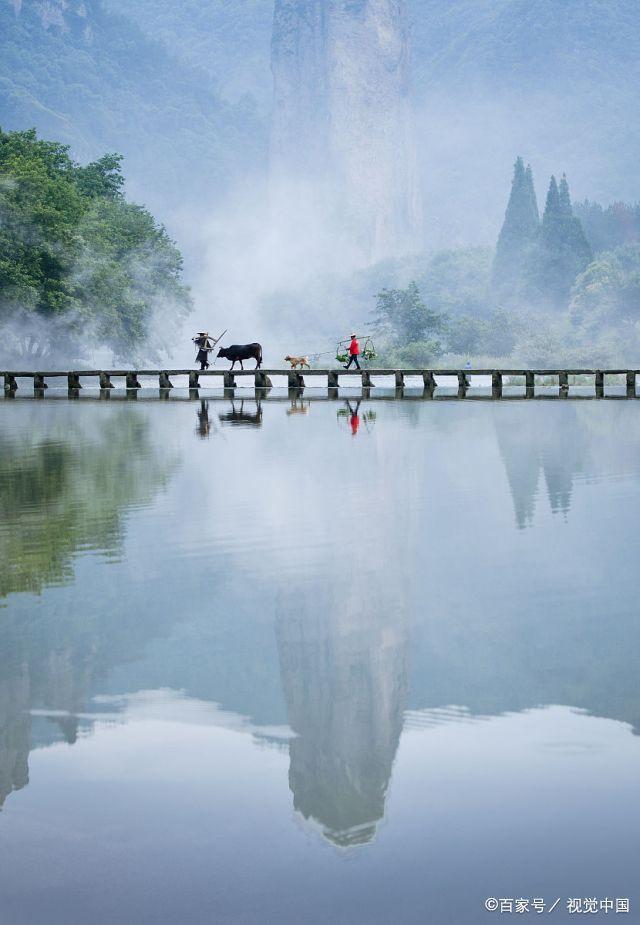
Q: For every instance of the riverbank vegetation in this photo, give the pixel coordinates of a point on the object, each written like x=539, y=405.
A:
x=81, y=267
x=564, y=287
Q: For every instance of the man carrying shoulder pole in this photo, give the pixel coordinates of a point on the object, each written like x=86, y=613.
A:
x=354, y=352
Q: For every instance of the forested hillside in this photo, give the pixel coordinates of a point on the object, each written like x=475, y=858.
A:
x=491, y=78
x=91, y=79
x=228, y=40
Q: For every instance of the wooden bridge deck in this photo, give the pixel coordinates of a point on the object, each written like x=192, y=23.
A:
x=296, y=378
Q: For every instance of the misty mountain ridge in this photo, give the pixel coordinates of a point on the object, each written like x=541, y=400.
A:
x=93, y=80
x=184, y=91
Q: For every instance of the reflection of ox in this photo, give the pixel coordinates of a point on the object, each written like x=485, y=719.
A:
x=239, y=352
x=242, y=417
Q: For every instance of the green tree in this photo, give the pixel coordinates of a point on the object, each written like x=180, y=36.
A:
x=518, y=237
x=403, y=315
x=466, y=334
x=564, y=250
x=457, y=282
x=608, y=292
x=80, y=266
x=609, y=228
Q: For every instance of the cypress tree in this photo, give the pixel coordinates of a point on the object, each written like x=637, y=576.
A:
x=518, y=236
x=564, y=251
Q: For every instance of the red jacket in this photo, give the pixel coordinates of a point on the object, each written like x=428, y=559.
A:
x=354, y=348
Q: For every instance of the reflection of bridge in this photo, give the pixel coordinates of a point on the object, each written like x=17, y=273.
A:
x=399, y=378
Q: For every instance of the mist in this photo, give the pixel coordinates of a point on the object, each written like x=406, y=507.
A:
x=282, y=254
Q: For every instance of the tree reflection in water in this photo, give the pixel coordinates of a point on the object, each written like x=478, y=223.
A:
x=66, y=492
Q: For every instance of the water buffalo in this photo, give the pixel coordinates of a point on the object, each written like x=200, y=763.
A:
x=240, y=352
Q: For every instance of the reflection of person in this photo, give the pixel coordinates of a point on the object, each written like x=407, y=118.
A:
x=354, y=352
x=204, y=346
x=203, y=419
x=354, y=418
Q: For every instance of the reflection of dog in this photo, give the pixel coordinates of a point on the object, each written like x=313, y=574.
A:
x=297, y=361
x=299, y=407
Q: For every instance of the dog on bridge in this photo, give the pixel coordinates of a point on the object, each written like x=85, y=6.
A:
x=297, y=361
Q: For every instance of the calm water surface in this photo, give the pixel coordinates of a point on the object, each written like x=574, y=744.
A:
x=279, y=663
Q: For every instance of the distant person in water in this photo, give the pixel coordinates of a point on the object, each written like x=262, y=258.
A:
x=202, y=342
x=354, y=352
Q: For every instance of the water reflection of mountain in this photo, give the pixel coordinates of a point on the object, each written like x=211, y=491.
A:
x=334, y=664
x=344, y=674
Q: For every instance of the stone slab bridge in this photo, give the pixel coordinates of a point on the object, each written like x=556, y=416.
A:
x=296, y=379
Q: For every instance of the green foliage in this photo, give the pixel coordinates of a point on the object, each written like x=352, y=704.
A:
x=564, y=251
x=456, y=282
x=415, y=355
x=608, y=292
x=90, y=78
x=228, y=40
x=404, y=317
x=492, y=336
x=80, y=266
x=609, y=228
x=518, y=237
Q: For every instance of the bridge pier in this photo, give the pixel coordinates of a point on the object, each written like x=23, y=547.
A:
x=10, y=383
x=599, y=383
x=193, y=379
x=38, y=381
x=332, y=379
x=295, y=380
x=105, y=381
x=73, y=381
x=631, y=383
x=496, y=384
x=164, y=381
x=262, y=380
x=366, y=379
x=399, y=377
x=132, y=381
x=228, y=380
x=428, y=379
x=463, y=380
x=563, y=381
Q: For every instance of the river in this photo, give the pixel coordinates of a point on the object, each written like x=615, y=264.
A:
x=314, y=661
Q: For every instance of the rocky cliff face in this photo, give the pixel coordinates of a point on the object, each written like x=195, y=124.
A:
x=342, y=118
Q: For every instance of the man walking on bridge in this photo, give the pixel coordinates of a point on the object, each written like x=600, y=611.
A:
x=354, y=352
